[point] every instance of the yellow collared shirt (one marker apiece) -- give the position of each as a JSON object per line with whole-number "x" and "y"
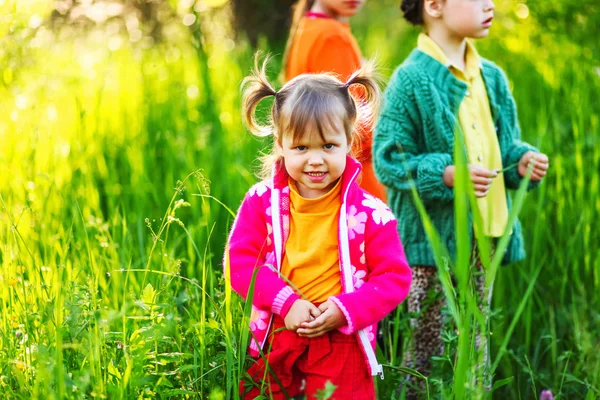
{"x": 475, "y": 118}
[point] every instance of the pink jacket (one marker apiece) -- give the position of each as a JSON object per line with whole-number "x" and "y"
{"x": 374, "y": 272}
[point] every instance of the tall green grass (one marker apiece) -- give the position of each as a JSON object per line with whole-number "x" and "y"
{"x": 111, "y": 257}
{"x": 118, "y": 173}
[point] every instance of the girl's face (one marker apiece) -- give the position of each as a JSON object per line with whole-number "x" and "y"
{"x": 468, "y": 18}
{"x": 313, "y": 163}
{"x": 339, "y": 8}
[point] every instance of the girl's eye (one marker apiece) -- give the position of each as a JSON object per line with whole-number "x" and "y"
{"x": 301, "y": 148}
{"x": 329, "y": 146}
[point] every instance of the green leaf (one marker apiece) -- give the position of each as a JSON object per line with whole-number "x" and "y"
{"x": 112, "y": 370}
{"x": 217, "y": 394}
{"x": 327, "y": 392}
{"x": 148, "y": 294}
{"x": 502, "y": 382}
{"x": 211, "y": 323}
{"x": 176, "y": 392}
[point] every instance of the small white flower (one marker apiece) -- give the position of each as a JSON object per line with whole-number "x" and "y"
{"x": 381, "y": 213}
{"x": 258, "y": 189}
{"x": 357, "y": 277}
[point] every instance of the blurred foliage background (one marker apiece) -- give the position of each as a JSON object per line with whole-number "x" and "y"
{"x": 122, "y": 153}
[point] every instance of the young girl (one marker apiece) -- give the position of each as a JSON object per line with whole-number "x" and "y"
{"x": 321, "y": 41}
{"x": 328, "y": 259}
{"x": 442, "y": 82}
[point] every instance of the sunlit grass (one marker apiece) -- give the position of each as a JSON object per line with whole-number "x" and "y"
{"x": 111, "y": 282}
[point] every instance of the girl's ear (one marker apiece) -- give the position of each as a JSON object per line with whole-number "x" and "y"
{"x": 433, "y": 8}
{"x": 278, "y": 147}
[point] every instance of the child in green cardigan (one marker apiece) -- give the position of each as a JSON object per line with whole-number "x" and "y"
{"x": 444, "y": 82}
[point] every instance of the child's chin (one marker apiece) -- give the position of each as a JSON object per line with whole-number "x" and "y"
{"x": 482, "y": 34}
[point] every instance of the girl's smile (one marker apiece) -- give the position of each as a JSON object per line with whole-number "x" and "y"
{"x": 316, "y": 176}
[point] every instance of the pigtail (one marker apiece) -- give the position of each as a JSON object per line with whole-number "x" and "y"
{"x": 368, "y": 96}
{"x": 300, "y": 9}
{"x": 255, "y": 88}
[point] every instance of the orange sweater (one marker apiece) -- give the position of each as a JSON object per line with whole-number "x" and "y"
{"x": 323, "y": 44}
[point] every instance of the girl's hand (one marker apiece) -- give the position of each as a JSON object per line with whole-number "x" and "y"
{"x": 481, "y": 177}
{"x": 540, "y": 165}
{"x": 331, "y": 318}
{"x": 301, "y": 311}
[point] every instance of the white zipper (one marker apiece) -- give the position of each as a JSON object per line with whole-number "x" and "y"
{"x": 276, "y": 220}
{"x": 376, "y": 368}
{"x": 276, "y": 241}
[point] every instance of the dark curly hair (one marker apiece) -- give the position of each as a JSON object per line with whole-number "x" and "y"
{"x": 413, "y": 11}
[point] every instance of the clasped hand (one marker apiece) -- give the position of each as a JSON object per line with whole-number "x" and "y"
{"x": 310, "y": 321}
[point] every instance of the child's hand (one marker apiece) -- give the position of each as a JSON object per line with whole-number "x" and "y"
{"x": 301, "y": 311}
{"x": 481, "y": 177}
{"x": 330, "y": 319}
{"x": 539, "y": 168}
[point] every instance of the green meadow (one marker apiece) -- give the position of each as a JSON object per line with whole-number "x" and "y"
{"x": 123, "y": 159}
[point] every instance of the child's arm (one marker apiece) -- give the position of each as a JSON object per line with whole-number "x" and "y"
{"x": 398, "y": 153}
{"x": 248, "y": 250}
{"x": 387, "y": 284}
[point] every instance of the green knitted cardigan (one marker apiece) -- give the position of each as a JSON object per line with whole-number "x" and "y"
{"x": 414, "y": 140}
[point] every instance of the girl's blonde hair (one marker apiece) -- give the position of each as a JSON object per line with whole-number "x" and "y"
{"x": 308, "y": 103}
{"x": 300, "y": 8}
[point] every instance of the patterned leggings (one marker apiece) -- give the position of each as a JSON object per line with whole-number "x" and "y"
{"x": 426, "y": 302}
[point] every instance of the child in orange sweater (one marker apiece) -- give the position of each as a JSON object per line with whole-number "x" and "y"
{"x": 321, "y": 41}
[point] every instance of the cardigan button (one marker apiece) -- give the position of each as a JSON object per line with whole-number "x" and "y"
{"x": 468, "y": 93}
{"x": 474, "y": 126}
{"x": 480, "y": 158}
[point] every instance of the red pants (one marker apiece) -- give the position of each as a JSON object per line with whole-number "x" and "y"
{"x": 303, "y": 366}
